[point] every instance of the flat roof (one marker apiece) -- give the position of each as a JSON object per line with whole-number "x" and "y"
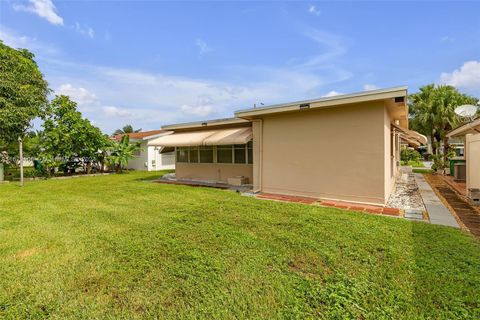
{"x": 326, "y": 101}
{"x": 205, "y": 123}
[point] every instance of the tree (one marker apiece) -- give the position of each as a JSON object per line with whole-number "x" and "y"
{"x": 23, "y": 93}
{"x": 126, "y": 129}
{"x": 122, "y": 152}
{"x": 432, "y": 112}
{"x": 68, "y": 138}
{"x": 23, "y": 97}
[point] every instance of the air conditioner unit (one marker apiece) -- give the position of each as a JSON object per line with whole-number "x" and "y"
{"x": 460, "y": 173}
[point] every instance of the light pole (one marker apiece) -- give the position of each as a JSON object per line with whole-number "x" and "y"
{"x": 20, "y": 148}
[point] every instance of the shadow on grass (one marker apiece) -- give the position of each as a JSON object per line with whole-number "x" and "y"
{"x": 154, "y": 175}
{"x": 446, "y": 273}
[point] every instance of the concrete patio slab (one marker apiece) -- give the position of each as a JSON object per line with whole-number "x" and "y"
{"x": 437, "y": 211}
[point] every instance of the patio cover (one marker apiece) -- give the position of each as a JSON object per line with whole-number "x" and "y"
{"x": 204, "y": 138}
{"x": 412, "y": 137}
{"x": 229, "y": 136}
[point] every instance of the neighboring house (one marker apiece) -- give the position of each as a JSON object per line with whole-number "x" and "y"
{"x": 345, "y": 147}
{"x": 470, "y": 133}
{"x": 150, "y": 158}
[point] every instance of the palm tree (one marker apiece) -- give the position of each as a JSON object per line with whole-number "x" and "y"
{"x": 128, "y": 128}
{"x": 422, "y": 113}
{"x": 432, "y": 112}
{"x": 122, "y": 152}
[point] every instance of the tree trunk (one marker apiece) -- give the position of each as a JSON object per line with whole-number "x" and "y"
{"x": 434, "y": 146}
{"x": 446, "y": 149}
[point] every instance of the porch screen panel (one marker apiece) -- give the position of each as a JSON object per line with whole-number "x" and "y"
{"x": 225, "y": 154}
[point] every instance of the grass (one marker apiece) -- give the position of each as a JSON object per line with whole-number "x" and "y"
{"x": 413, "y": 163}
{"x": 120, "y": 246}
{"x": 422, "y": 170}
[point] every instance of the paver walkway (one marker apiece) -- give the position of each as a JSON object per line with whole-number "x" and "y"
{"x": 466, "y": 213}
{"x": 437, "y": 211}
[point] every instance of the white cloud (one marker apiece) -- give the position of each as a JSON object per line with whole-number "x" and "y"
{"x": 15, "y": 40}
{"x": 447, "y": 39}
{"x": 81, "y": 96}
{"x": 368, "y": 87}
{"x": 467, "y": 77}
{"x": 86, "y": 30}
{"x": 313, "y": 10}
{"x": 334, "y": 46}
{"x": 202, "y": 46}
{"x": 201, "y": 111}
{"x": 43, "y": 8}
{"x": 332, "y": 93}
{"x": 115, "y": 112}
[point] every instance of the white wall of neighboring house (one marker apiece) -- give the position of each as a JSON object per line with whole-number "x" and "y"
{"x": 149, "y": 158}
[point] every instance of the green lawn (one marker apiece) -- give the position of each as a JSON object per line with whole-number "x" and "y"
{"x": 120, "y": 246}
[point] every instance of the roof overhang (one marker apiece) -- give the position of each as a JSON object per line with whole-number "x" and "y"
{"x": 472, "y": 127}
{"x": 395, "y": 97}
{"x": 206, "y": 124}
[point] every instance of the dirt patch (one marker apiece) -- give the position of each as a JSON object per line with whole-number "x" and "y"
{"x": 24, "y": 254}
{"x": 308, "y": 267}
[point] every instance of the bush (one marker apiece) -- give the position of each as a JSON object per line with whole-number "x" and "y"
{"x": 438, "y": 163}
{"x": 410, "y": 155}
{"x": 13, "y": 173}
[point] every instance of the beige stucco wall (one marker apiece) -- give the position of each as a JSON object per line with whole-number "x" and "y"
{"x": 212, "y": 171}
{"x": 472, "y": 153}
{"x": 392, "y": 154}
{"x": 336, "y": 153}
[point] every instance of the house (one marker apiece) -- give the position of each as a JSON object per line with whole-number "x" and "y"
{"x": 470, "y": 133}
{"x": 345, "y": 147}
{"x": 150, "y": 158}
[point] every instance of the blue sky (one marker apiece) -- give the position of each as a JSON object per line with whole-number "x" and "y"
{"x": 151, "y": 63}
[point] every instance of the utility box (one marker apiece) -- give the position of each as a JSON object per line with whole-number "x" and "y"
{"x": 460, "y": 172}
{"x": 474, "y": 195}
{"x": 237, "y": 181}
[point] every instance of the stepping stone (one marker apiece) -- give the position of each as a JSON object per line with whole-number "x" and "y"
{"x": 412, "y": 214}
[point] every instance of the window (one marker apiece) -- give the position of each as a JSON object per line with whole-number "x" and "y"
{"x": 193, "y": 154}
{"x": 182, "y": 154}
{"x": 206, "y": 154}
{"x": 250, "y": 151}
{"x": 225, "y": 154}
{"x": 240, "y": 153}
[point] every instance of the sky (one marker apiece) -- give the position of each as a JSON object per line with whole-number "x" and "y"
{"x": 152, "y": 63}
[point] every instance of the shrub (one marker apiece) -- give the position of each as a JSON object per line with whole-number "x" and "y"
{"x": 438, "y": 162}
{"x": 410, "y": 155}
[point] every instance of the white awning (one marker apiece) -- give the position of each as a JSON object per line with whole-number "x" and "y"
{"x": 412, "y": 136}
{"x": 204, "y": 138}
{"x": 229, "y": 136}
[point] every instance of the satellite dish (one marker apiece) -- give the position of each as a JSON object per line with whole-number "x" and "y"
{"x": 466, "y": 111}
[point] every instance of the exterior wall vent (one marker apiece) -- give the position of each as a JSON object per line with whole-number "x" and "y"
{"x": 399, "y": 99}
